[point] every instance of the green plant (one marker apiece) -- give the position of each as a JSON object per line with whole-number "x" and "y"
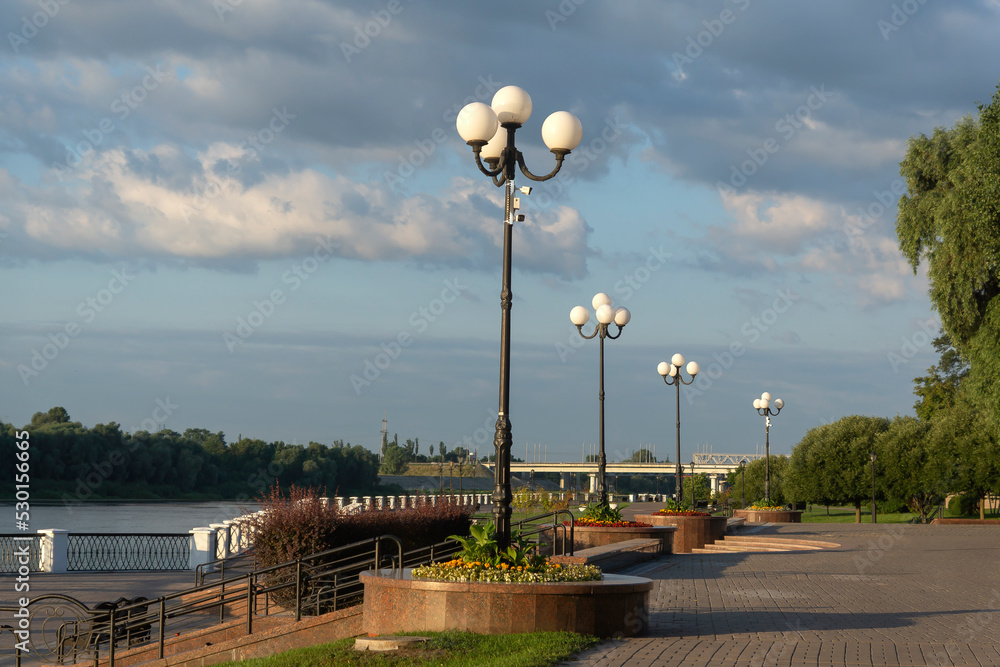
{"x": 481, "y": 546}
{"x": 602, "y": 512}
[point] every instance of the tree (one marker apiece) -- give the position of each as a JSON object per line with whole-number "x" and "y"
{"x": 754, "y": 481}
{"x": 950, "y": 218}
{"x": 904, "y": 469}
{"x": 395, "y": 460}
{"x": 965, "y": 455}
{"x": 938, "y": 389}
{"x": 830, "y": 463}
{"x": 643, "y": 456}
{"x": 696, "y": 487}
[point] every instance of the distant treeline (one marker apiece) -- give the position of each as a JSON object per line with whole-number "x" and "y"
{"x": 69, "y": 461}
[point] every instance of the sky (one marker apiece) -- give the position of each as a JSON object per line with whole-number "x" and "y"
{"x": 257, "y": 217}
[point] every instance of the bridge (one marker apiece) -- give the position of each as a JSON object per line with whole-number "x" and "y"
{"x": 715, "y": 466}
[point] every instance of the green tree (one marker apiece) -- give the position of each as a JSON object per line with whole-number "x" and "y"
{"x": 643, "y": 456}
{"x": 965, "y": 455}
{"x": 938, "y": 389}
{"x": 395, "y": 460}
{"x": 904, "y": 469}
{"x": 950, "y": 219}
{"x": 697, "y": 488}
{"x": 756, "y": 473}
{"x": 830, "y": 463}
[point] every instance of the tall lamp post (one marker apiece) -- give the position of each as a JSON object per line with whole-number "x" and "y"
{"x": 871, "y": 455}
{"x": 763, "y": 407}
{"x": 743, "y": 484}
{"x": 606, "y": 315}
{"x": 490, "y": 131}
{"x": 671, "y": 374}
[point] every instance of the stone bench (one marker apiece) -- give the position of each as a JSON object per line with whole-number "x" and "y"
{"x": 616, "y": 556}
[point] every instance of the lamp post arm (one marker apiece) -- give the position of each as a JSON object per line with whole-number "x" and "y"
{"x": 560, "y": 156}
{"x": 597, "y": 330}
{"x": 492, "y": 173}
{"x": 607, "y": 332}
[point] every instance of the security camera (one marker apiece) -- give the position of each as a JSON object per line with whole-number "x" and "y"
{"x": 526, "y": 189}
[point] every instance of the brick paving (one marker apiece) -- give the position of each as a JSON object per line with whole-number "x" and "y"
{"x": 890, "y": 595}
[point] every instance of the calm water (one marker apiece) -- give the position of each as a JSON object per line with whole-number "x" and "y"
{"x": 122, "y": 517}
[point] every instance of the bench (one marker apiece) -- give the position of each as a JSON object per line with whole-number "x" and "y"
{"x": 616, "y": 556}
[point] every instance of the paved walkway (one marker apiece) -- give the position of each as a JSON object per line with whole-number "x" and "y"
{"x": 890, "y": 595}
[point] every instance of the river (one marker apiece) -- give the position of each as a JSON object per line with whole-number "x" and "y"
{"x": 121, "y": 517}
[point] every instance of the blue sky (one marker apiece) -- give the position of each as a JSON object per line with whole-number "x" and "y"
{"x": 231, "y": 208}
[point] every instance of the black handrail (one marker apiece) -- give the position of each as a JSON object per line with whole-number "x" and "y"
{"x": 556, "y": 525}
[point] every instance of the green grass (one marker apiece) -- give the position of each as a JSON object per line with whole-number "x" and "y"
{"x": 846, "y": 515}
{"x": 448, "y": 649}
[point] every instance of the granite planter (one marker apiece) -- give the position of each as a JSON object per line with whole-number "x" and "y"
{"x": 617, "y": 606}
{"x": 585, "y": 537}
{"x": 769, "y": 516}
{"x": 693, "y": 532}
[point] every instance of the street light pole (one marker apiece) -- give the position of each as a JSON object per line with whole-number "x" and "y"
{"x": 871, "y": 455}
{"x": 763, "y": 407}
{"x": 673, "y": 372}
{"x": 490, "y": 131}
{"x": 606, "y": 315}
{"x": 743, "y": 484}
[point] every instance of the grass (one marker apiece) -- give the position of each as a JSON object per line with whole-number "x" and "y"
{"x": 846, "y": 515}
{"x": 448, "y": 649}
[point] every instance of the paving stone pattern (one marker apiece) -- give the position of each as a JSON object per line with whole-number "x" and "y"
{"x": 890, "y": 595}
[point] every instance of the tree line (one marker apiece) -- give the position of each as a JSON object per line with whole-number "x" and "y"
{"x": 74, "y": 463}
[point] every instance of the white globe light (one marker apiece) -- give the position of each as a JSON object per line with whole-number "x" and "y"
{"x": 766, "y": 396}
{"x": 673, "y": 370}
{"x": 494, "y": 147}
{"x": 476, "y": 123}
{"x": 677, "y": 360}
{"x": 764, "y": 403}
{"x": 579, "y": 316}
{"x": 600, "y": 299}
{"x": 622, "y": 316}
{"x": 778, "y": 403}
{"x": 756, "y": 404}
{"x": 693, "y": 368}
{"x": 606, "y": 314}
{"x": 663, "y": 368}
{"x": 512, "y": 105}
{"x": 562, "y": 131}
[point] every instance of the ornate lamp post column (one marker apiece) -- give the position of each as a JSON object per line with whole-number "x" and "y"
{"x": 490, "y": 131}
{"x": 871, "y": 455}
{"x": 763, "y": 407}
{"x": 671, "y": 374}
{"x": 743, "y": 484}
{"x": 606, "y": 315}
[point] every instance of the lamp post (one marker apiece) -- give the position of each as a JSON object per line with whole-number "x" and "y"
{"x": 743, "y": 484}
{"x": 871, "y": 455}
{"x": 763, "y": 407}
{"x": 490, "y": 131}
{"x": 606, "y": 315}
{"x": 671, "y": 374}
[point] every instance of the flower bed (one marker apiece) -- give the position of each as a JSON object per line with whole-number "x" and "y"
{"x": 458, "y": 569}
{"x": 668, "y": 512}
{"x": 596, "y": 523}
{"x": 616, "y": 605}
{"x": 777, "y": 515}
{"x": 693, "y": 532}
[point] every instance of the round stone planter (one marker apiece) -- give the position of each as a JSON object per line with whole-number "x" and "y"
{"x": 618, "y": 606}
{"x": 585, "y": 537}
{"x": 693, "y": 532}
{"x": 769, "y": 516}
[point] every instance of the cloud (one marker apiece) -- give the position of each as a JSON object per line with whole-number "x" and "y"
{"x": 221, "y": 206}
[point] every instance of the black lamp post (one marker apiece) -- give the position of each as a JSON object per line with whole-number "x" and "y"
{"x": 871, "y": 455}
{"x": 490, "y": 131}
{"x": 606, "y": 315}
{"x": 763, "y": 407}
{"x": 743, "y": 484}
{"x": 671, "y": 374}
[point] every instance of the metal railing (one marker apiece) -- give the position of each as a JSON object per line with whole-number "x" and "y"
{"x": 139, "y": 551}
{"x": 11, "y": 551}
{"x": 315, "y": 584}
{"x": 535, "y": 526}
